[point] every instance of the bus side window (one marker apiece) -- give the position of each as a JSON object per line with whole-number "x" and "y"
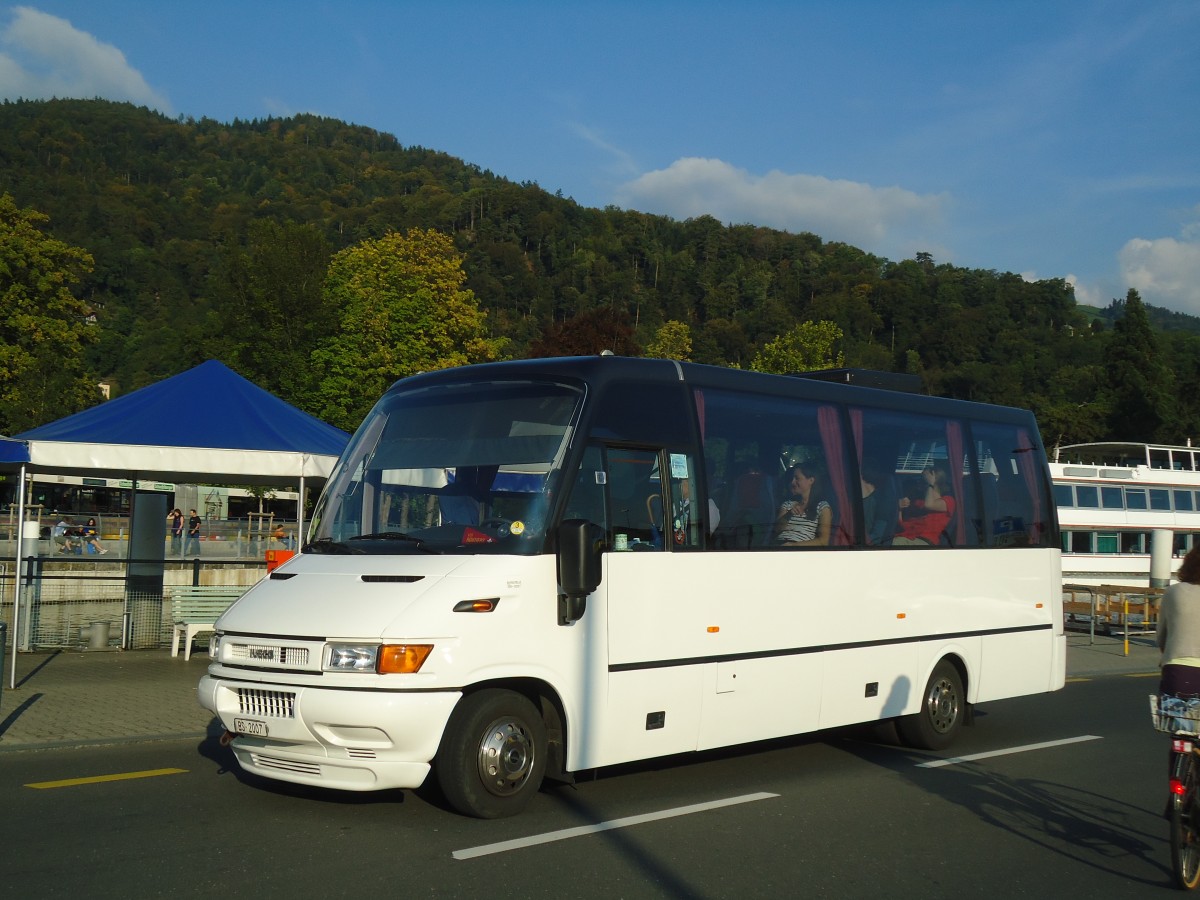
{"x": 683, "y": 523}
{"x": 636, "y": 498}
{"x": 586, "y": 500}
{"x": 1017, "y": 505}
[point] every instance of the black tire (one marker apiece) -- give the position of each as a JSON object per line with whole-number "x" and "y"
{"x": 1185, "y": 820}
{"x": 493, "y": 755}
{"x": 942, "y": 707}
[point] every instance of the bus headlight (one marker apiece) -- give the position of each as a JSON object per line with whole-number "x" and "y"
{"x": 214, "y": 646}
{"x": 351, "y": 657}
{"x": 385, "y": 659}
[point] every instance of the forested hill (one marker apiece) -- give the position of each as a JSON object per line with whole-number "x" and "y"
{"x": 211, "y": 240}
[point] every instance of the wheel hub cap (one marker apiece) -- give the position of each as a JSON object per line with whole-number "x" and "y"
{"x": 505, "y": 757}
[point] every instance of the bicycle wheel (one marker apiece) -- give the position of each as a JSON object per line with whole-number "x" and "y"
{"x": 1185, "y": 822}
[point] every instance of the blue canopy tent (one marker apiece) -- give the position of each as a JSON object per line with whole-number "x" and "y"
{"x": 205, "y": 425}
{"x": 13, "y": 453}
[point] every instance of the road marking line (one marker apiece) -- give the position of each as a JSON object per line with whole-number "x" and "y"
{"x": 566, "y": 833}
{"x": 97, "y": 779}
{"x": 936, "y": 763}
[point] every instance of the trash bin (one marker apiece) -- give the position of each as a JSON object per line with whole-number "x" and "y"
{"x": 276, "y": 558}
{"x": 98, "y": 636}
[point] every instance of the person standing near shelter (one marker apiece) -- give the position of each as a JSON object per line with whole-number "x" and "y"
{"x": 193, "y": 534}
{"x": 176, "y": 520}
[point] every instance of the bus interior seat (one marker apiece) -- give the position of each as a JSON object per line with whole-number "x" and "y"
{"x": 750, "y": 521}
{"x": 887, "y": 513}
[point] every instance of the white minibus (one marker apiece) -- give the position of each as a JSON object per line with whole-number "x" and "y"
{"x": 524, "y": 570}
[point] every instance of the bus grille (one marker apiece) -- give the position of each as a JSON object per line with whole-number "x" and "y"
{"x": 295, "y": 657}
{"x": 267, "y": 704}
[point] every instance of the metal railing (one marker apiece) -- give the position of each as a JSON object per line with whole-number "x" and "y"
{"x": 1114, "y": 608}
{"x": 94, "y": 603}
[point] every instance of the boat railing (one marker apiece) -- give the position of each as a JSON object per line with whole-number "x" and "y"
{"x": 1112, "y": 609}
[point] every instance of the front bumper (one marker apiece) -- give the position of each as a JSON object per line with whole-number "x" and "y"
{"x": 351, "y": 740}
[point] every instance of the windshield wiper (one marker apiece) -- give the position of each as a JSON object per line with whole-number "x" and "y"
{"x": 393, "y": 536}
{"x": 327, "y": 545}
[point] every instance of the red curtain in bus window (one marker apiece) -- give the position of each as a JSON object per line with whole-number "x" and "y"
{"x": 856, "y": 426}
{"x": 954, "y": 450}
{"x": 1025, "y": 462}
{"x": 831, "y": 440}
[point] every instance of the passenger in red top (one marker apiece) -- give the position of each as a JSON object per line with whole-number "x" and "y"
{"x": 926, "y": 519}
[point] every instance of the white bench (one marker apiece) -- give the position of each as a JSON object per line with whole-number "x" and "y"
{"x": 195, "y": 609}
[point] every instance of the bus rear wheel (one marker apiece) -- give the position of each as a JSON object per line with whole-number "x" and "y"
{"x": 493, "y": 755}
{"x": 941, "y": 714}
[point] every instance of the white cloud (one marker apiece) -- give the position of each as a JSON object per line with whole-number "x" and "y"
{"x": 1085, "y": 295}
{"x": 43, "y": 56}
{"x": 1165, "y": 271}
{"x": 889, "y": 220}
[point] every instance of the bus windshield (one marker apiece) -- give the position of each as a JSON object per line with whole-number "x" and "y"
{"x": 463, "y": 468}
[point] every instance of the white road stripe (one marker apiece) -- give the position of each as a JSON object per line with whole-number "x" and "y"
{"x": 937, "y": 763}
{"x": 551, "y": 836}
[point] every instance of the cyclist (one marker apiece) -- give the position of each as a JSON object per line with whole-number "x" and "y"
{"x": 1178, "y": 632}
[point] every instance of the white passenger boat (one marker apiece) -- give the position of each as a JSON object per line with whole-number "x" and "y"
{"x": 1112, "y": 497}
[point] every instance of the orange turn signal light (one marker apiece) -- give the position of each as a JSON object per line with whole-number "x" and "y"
{"x": 402, "y": 659}
{"x": 477, "y": 605}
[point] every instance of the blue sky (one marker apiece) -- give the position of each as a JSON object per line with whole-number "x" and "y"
{"x": 1056, "y": 138}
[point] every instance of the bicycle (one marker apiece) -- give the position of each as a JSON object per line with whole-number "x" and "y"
{"x": 1180, "y": 718}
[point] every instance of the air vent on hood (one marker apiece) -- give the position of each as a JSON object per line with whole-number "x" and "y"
{"x": 401, "y": 579}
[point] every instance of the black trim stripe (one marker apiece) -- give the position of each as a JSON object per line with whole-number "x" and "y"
{"x": 818, "y": 648}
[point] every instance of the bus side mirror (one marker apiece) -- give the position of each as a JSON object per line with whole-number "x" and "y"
{"x": 580, "y": 544}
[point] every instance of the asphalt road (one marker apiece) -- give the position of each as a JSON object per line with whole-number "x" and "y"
{"x": 830, "y": 815}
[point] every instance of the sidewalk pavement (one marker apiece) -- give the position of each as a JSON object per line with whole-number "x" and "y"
{"x": 69, "y": 699}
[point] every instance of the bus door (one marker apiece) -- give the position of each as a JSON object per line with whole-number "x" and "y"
{"x": 651, "y": 596}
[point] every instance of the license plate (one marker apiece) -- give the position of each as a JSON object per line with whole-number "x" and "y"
{"x": 250, "y": 726}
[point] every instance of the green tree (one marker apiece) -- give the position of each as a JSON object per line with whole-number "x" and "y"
{"x": 673, "y": 340}
{"x": 1139, "y": 383}
{"x": 274, "y": 312}
{"x": 587, "y": 334}
{"x": 808, "y": 346}
{"x": 403, "y": 310}
{"x": 44, "y": 327}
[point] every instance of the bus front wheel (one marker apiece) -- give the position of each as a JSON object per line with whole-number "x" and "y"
{"x": 941, "y": 714}
{"x": 493, "y": 755}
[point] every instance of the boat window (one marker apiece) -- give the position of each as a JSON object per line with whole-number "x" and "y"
{"x": 1160, "y": 498}
{"x": 1080, "y": 542}
{"x": 1112, "y": 498}
{"x": 1134, "y": 542}
{"x": 1135, "y": 498}
{"x": 1087, "y": 496}
{"x": 1183, "y": 501}
{"x": 1107, "y": 542}
{"x": 1064, "y": 496}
